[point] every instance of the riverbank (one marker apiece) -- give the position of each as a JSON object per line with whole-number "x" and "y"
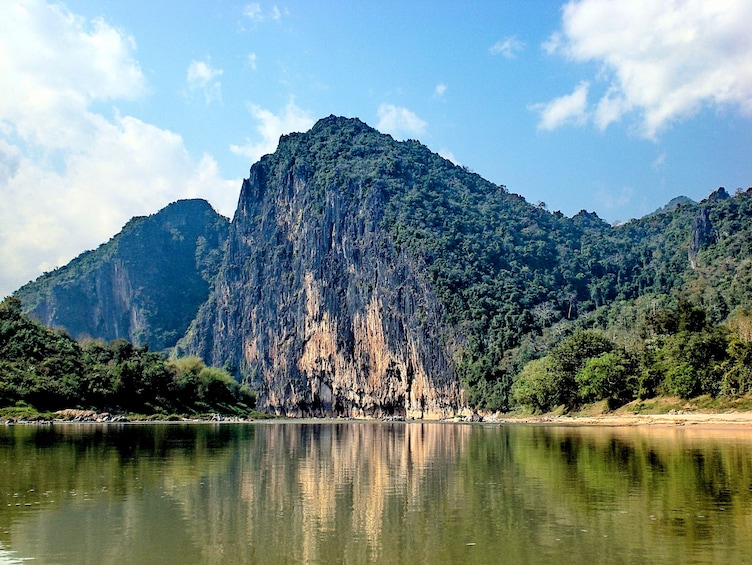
{"x": 662, "y": 411}
{"x": 737, "y": 419}
{"x": 10, "y": 416}
{"x": 670, "y": 419}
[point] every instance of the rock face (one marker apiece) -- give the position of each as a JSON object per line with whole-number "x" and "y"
{"x": 314, "y": 303}
{"x": 702, "y": 234}
{"x": 145, "y": 285}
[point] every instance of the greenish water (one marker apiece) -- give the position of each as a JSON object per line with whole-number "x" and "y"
{"x": 374, "y": 492}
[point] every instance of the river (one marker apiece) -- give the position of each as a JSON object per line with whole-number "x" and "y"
{"x": 372, "y": 492}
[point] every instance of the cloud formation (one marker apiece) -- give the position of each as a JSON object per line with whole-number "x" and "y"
{"x": 614, "y": 198}
{"x": 508, "y": 47}
{"x": 201, "y": 76}
{"x": 399, "y": 122}
{"x": 251, "y": 59}
{"x": 54, "y": 65}
{"x": 662, "y": 61}
{"x": 256, "y": 14}
{"x": 271, "y": 127}
{"x": 570, "y": 109}
{"x": 71, "y": 177}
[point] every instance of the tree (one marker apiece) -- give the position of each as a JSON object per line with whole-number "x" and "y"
{"x": 692, "y": 362}
{"x": 539, "y": 386}
{"x": 555, "y": 379}
{"x": 51, "y": 371}
{"x": 570, "y": 356}
{"x": 741, "y": 324}
{"x": 611, "y": 375}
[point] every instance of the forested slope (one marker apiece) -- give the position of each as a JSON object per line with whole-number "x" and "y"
{"x": 47, "y": 370}
{"x": 356, "y": 256}
{"x": 144, "y": 285}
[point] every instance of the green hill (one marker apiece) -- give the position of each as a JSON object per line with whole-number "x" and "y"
{"x": 144, "y": 285}
{"x": 367, "y": 276}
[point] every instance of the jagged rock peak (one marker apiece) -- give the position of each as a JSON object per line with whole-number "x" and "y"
{"x": 719, "y": 194}
{"x": 315, "y": 305}
{"x": 331, "y": 127}
{"x": 187, "y": 206}
{"x": 337, "y": 133}
{"x": 334, "y": 123}
{"x": 180, "y": 207}
{"x": 589, "y": 219}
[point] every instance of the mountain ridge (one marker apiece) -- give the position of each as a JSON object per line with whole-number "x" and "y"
{"x": 369, "y": 276}
{"x": 144, "y": 284}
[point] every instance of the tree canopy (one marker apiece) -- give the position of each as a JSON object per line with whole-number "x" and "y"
{"x": 50, "y": 371}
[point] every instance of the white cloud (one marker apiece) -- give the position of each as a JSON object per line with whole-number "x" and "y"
{"x": 553, "y": 43}
{"x": 253, "y": 11}
{"x": 270, "y": 127}
{"x": 70, "y": 177}
{"x": 256, "y": 14}
{"x": 251, "y": 60}
{"x": 127, "y": 168}
{"x": 663, "y": 60}
{"x": 507, "y": 47}
{"x": 568, "y": 109}
{"x": 659, "y": 163}
{"x": 399, "y": 122}
{"x": 447, "y": 154}
{"x": 53, "y": 64}
{"x": 611, "y": 107}
{"x": 201, "y": 77}
{"x": 440, "y": 90}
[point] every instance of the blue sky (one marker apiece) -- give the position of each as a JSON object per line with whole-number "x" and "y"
{"x": 111, "y": 109}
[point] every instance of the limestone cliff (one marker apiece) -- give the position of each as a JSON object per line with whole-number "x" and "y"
{"x": 145, "y": 285}
{"x": 366, "y": 276}
{"x": 315, "y": 305}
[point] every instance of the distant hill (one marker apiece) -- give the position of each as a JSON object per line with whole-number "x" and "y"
{"x": 367, "y": 276}
{"x": 144, "y": 285}
{"x": 673, "y": 204}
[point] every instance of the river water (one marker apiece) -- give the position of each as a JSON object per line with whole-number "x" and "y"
{"x": 367, "y": 492}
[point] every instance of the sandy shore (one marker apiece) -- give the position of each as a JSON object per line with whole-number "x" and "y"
{"x": 669, "y": 419}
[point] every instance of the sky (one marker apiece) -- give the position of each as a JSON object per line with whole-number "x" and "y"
{"x": 112, "y": 109}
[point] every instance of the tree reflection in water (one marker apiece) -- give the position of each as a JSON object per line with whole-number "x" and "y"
{"x": 359, "y": 492}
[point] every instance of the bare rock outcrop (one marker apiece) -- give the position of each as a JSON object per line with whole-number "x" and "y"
{"x": 316, "y": 307}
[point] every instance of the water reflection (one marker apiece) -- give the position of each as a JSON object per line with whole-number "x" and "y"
{"x": 374, "y": 492}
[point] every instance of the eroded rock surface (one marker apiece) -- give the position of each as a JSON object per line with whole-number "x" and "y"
{"x": 315, "y": 305}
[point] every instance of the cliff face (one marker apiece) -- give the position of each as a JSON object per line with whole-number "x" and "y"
{"x": 314, "y": 303}
{"x": 145, "y": 285}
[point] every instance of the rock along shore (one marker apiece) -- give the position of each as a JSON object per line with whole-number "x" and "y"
{"x": 671, "y": 418}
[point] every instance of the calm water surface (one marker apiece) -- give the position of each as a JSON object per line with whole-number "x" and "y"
{"x": 374, "y": 492}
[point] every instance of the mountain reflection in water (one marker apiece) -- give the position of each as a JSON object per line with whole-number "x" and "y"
{"x": 361, "y": 492}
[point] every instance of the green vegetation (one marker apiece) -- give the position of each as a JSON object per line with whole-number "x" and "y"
{"x": 679, "y": 354}
{"x": 551, "y": 310}
{"x": 516, "y": 279}
{"x": 42, "y": 369}
{"x": 145, "y": 284}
